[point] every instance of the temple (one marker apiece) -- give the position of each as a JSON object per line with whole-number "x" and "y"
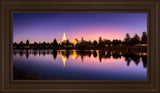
{"x": 64, "y": 39}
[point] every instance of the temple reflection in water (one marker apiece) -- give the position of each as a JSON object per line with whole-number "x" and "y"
{"x": 75, "y": 54}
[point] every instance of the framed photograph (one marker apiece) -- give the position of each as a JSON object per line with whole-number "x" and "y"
{"x": 79, "y": 46}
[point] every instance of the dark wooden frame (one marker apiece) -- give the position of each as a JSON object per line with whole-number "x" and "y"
{"x": 8, "y": 7}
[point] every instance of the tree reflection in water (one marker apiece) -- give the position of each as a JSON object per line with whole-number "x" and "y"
{"x": 135, "y": 57}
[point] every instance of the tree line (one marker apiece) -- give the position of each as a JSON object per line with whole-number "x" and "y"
{"x": 83, "y": 44}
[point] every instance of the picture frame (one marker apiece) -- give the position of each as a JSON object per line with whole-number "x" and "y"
{"x": 8, "y": 7}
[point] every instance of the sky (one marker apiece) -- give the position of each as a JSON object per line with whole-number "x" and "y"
{"x": 44, "y": 27}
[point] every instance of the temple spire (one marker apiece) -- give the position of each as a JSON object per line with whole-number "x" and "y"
{"x": 64, "y": 37}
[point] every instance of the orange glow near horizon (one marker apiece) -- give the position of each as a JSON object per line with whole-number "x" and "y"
{"x": 109, "y": 35}
{"x": 94, "y": 35}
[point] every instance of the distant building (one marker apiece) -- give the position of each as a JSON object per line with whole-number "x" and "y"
{"x": 75, "y": 42}
{"x": 64, "y": 39}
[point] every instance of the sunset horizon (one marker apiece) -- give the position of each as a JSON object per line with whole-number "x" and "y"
{"x": 90, "y": 26}
{"x": 73, "y": 39}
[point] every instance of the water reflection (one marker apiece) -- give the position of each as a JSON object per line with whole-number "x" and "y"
{"x": 135, "y": 57}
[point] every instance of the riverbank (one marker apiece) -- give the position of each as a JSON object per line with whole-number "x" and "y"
{"x": 110, "y": 48}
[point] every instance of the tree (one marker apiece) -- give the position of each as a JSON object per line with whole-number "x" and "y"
{"x": 135, "y": 39}
{"x": 67, "y": 42}
{"x": 95, "y": 43}
{"x": 144, "y": 38}
{"x": 83, "y": 44}
{"x": 101, "y": 43}
{"x": 100, "y": 40}
{"x": 115, "y": 42}
{"x": 44, "y": 45}
{"x": 48, "y": 45}
{"x": 89, "y": 43}
{"x": 35, "y": 43}
{"x": 14, "y": 44}
{"x": 21, "y": 44}
{"x": 55, "y": 43}
{"x": 108, "y": 42}
{"x": 27, "y": 42}
{"x": 127, "y": 38}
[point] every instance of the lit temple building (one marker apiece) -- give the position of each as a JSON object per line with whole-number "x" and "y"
{"x": 64, "y": 39}
{"x": 75, "y": 42}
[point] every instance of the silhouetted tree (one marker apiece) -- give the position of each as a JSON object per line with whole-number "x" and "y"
{"x": 101, "y": 43}
{"x": 55, "y": 43}
{"x": 90, "y": 43}
{"x": 135, "y": 39}
{"x": 108, "y": 42}
{"x": 35, "y": 43}
{"x": 83, "y": 44}
{"x": 48, "y": 45}
{"x": 127, "y": 39}
{"x": 144, "y": 38}
{"x": 27, "y": 43}
{"x": 67, "y": 42}
{"x": 116, "y": 42}
{"x": 40, "y": 45}
{"x": 44, "y": 45}
{"x": 14, "y": 44}
{"x": 21, "y": 44}
{"x": 100, "y": 40}
{"x": 95, "y": 43}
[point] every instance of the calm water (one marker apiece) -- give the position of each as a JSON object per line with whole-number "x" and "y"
{"x": 81, "y": 65}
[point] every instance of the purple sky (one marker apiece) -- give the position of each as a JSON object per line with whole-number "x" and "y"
{"x": 42, "y": 27}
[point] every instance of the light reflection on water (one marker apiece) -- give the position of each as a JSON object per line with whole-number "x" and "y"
{"x": 81, "y": 65}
